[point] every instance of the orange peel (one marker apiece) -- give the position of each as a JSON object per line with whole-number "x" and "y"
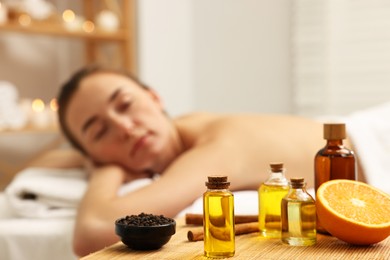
{"x": 353, "y": 211}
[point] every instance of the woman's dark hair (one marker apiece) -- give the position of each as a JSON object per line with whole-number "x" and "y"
{"x": 71, "y": 86}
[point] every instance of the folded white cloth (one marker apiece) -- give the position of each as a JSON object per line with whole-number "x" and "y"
{"x": 369, "y": 131}
{"x": 51, "y": 192}
{"x": 245, "y": 203}
{"x": 44, "y": 192}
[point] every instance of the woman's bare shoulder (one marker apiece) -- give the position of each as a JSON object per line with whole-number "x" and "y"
{"x": 195, "y": 123}
{"x": 196, "y": 117}
{"x": 202, "y": 122}
{"x": 198, "y": 127}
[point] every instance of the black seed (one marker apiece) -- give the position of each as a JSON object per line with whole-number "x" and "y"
{"x": 145, "y": 220}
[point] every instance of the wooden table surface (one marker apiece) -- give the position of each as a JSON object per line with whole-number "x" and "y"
{"x": 249, "y": 246}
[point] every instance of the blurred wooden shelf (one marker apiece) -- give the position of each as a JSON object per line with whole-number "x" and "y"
{"x": 31, "y": 130}
{"x": 124, "y": 37}
{"x": 60, "y": 30}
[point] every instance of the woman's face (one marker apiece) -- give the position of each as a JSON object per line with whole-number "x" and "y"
{"x": 117, "y": 121}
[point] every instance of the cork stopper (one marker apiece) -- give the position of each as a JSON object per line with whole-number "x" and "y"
{"x": 276, "y": 166}
{"x": 334, "y": 131}
{"x": 217, "y": 182}
{"x": 297, "y": 182}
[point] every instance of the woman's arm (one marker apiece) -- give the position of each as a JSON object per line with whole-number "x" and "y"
{"x": 59, "y": 158}
{"x": 94, "y": 223}
{"x": 181, "y": 184}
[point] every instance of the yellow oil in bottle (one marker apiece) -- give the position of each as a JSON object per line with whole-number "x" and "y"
{"x": 298, "y": 216}
{"x": 218, "y": 222}
{"x": 271, "y": 193}
{"x": 270, "y": 224}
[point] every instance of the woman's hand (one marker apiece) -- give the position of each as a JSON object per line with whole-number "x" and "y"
{"x": 127, "y": 176}
{"x": 94, "y": 169}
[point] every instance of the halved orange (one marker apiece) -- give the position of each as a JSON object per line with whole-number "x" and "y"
{"x": 353, "y": 211}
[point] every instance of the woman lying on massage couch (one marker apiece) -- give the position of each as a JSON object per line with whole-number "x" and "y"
{"x": 120, "y": 125}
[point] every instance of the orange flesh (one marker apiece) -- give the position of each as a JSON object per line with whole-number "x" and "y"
{"x": 358, "y": 203}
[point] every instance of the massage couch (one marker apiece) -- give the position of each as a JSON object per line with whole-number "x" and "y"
{"x": 33, "y": 228}
{"x": 37, "y": 209}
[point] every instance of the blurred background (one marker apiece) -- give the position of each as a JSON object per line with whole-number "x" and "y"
{"x": 311, "y": 58}
{"x": 282, "y": 56}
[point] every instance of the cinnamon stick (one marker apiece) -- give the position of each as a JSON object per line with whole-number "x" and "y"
{"x": 197, "y": 234}
{"x": 197, "y": 219}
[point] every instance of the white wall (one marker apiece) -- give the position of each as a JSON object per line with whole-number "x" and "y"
{"x": 165, "y": 51}
{"x": 241, "y": 55}
{"x": 341, "y": 55}
{"x": 220, "y": 55}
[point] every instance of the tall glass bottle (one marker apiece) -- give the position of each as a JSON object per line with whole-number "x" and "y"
{"x": 334, "y": 161}
{"x": 218, "y": 218}
{"x": 298, "y": 215}
{"x": 271, "y": 193}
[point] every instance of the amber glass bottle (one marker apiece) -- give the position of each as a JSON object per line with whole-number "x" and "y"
{"x": 334, "y": 161}
{"x": 218, "y": 218}
{"x": 271, "y": 193}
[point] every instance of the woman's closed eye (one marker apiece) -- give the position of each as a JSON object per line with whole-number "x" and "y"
{"x": 124, "y": 105}
{"x": 101, "y": 131}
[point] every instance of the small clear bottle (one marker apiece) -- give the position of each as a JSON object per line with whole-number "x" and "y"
{"x": 218, "y": 218}
{"x": 271, "y": 193}
{"x": 298, "y": 215}
{"x": 334, "y": 161}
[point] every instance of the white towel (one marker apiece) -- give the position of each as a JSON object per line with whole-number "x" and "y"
{"x": 369, "y": 130}
{"x": 50, "y": 192}
{"x": 245, "y": 203}
{"x": 44, "y": 192}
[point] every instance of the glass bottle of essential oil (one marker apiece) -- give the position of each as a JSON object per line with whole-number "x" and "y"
{"x": 218, "y": 218}
{"x": 271, "y": 193}
{"x": 298, "y": 215}
{"x": 334, "y": 161}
